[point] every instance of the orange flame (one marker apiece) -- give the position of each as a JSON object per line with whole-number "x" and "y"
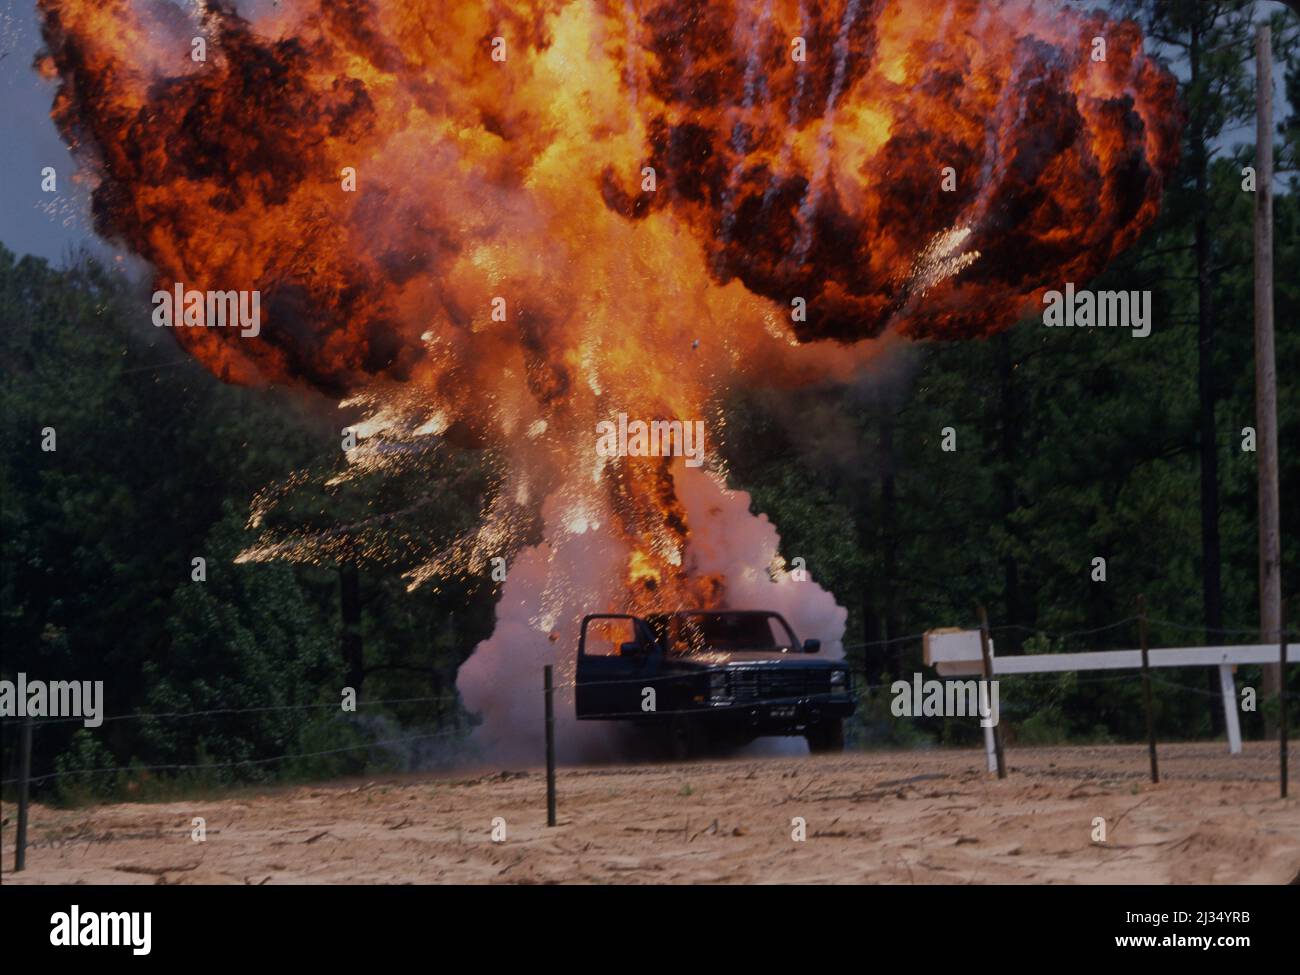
{"x": 564, "y": 210}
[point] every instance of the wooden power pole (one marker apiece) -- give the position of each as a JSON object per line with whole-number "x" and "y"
{"x": 1270, "y": 557}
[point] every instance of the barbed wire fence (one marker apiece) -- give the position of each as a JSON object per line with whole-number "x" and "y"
{"x": 41, "y": 722}
{"x": 1129, "y": 675}
{"x": 28, "y": 726}
{"x": 862, "y": 684}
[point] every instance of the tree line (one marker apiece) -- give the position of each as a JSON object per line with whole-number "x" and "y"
{"x": 1071, "y": 446}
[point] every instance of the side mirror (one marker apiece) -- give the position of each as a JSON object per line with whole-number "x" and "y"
{"x": 812, "y": 646}
{"x": 633, "y": 648}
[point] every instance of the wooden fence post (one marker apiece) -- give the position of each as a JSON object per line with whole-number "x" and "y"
{"x": 1146, "y": 689}
{"x": 988, "y": 677}
{"x": 1282, "y": 723}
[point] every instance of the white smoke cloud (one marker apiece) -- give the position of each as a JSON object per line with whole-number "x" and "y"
{"x": 551, "y": 586}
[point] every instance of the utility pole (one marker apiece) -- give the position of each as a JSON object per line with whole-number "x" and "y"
{"x": 1270, "y": 556}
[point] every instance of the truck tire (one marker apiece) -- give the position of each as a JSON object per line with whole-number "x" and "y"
{"x": 826, "y": 736}
{"x": 685, "y": 738}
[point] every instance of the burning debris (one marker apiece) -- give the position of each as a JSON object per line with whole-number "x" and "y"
{"x": 502, "y": 225}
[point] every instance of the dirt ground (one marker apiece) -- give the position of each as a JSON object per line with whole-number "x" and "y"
{"x": 877, "y": 817}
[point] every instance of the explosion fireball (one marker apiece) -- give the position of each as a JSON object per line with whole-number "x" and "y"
{"x": 569, "y": 209}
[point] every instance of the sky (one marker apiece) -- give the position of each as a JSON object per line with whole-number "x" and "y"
{"x": 54, "y": 225}
{"x": 31, "y": 222}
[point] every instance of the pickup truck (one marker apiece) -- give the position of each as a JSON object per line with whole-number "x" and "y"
{"x": 711, "y": 678}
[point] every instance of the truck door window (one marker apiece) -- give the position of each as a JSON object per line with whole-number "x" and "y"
{"x": 607, "y": 637}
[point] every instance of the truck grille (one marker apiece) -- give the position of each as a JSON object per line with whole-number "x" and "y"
{"x": 755, "y": 684}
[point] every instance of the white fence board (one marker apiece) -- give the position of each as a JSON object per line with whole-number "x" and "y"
{"x": 956, "y": 653}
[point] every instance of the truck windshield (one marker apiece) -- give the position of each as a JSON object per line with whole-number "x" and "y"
{"x": 729, "y": 632}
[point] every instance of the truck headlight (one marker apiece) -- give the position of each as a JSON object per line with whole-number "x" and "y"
{"x": 839, "y": 679}
{"x": 718, "y": 687}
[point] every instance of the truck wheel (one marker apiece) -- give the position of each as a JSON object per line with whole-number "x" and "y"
{"x": 684, "y": 737}
{"x": 827, "y": 736}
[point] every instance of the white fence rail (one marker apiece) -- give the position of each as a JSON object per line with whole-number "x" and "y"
{"x": 956, "y": 653}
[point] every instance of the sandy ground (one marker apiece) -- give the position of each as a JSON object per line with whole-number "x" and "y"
{"x": 879, "y": 817}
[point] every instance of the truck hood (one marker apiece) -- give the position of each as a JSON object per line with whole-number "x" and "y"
{"x": 765, "y": 657}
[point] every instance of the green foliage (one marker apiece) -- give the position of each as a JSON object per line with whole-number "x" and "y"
{"x": 84, "y": 755}
{"x": 156, "y": 462}
{"x": 1071, "y": 445}
{"x": 875, "y": 725}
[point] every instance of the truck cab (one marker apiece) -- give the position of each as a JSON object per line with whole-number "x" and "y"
{"x": 711, "y": 677}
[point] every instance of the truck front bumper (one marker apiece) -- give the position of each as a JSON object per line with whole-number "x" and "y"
{"x": 786, "y": 715}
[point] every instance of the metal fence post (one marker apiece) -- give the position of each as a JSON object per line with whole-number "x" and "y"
{"x": 549, "y": 690}
{"x": 24, "y": 789}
